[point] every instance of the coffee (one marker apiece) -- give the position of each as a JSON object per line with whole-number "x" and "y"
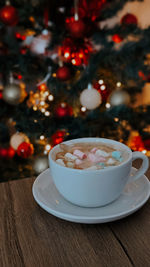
{"x": 90, "y": 156}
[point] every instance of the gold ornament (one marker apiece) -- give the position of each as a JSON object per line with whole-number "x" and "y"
{"x": 14, "y": 94}
{"x": 40, "y": 164}
{"x": 18, "y": 138}
{"x": 119, "y": 97}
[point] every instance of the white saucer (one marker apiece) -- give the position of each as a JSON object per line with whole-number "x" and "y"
{"x": 46, "y": 195}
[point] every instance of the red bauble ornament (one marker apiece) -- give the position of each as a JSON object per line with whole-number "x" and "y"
{"x": 63, "y": 110}
{"x": 25, "y": 150}
{"x": 117, "y": 38}
{"x": 58, "y": 137}
{"x": 10, "y": 152}
{"x": 76, "y": 27}
{"x": 129, "y": 19}
{"x": 90, "y": 9}
{"x": 63, "y": 73}
{"x": 9, "y": 15}
{"x": 3, "y": 152}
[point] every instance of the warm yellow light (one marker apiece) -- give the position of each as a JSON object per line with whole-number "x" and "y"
{"x": 42, "y": 103}
{"x": 107, "y": 105}
{"x": 47, "y": 113}
{"x": 46, "y": 93}
{"x": 73, "y": 61}
{"x": 116, "y": 119}
{"x": 42, "y": 110}
{"x": 83, "y": 109}
{"x": 50, "y": 97}
{"x": 31, "y": 19}
{"x": 42, "y": 137}
{"x": 103, "y": 87}
{"x": 48, "y": 147}
{"x": 34, "y": 108}
{"x": 66, "y": 54}
{"x": 100, "y": 81}
{"x": 118, "y": 84}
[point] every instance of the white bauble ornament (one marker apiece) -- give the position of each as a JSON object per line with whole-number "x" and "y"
{"x": 90, "y": 98}
{"x": 40, "y": 164}
{"x": 39, "y": 43}
{"x": 119, "y": 97}
{"x": 18, "y": 138}
{"x": 13, "y": 94}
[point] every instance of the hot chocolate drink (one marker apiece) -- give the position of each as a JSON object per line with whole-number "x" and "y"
{"x": 90, "y": 156}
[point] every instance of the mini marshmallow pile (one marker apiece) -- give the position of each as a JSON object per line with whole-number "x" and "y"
{"x": 92, "y": 159}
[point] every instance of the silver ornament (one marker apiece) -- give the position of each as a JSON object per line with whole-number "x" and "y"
{"x": 40, "y": 164}
{"x": 12, "y": 94}
{"x": 119, "y": 97}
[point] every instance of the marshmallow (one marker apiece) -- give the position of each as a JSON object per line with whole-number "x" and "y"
{"x": 94, "y": 149}
{"x": 78, "y": 161}
{"x": 110, "y": 161}
{"x": 60, "y": 162}
{"x": 102, "y": 164}
{"x": 79, "y": 154}
{"x": 70, "y": 164}
{"x": 101, "y": 153}
{"x": 70, "y": 156}
{"x": 91, "y": 168}
{"x": 116, "y": 154}
{"x": 93, "y": 158}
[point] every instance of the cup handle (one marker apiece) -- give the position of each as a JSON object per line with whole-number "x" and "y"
{"x": 142, "y": 169}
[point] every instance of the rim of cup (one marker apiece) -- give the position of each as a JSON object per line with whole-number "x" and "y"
{"x": 91, "y": 139}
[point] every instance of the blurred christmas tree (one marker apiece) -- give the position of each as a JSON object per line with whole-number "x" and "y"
{"x": 63, "y": 75}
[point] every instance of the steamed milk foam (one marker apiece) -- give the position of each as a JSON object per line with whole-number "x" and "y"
{"x": 90, "y": 156}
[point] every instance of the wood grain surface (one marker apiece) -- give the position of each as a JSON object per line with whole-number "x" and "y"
{"x": 31, "y": 237}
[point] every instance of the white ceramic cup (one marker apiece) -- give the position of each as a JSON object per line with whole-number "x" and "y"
{"x": 94, "y": 188}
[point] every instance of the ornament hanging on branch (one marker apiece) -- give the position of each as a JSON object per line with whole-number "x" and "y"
{"x": 14, "y": 94}
{"x": 25, "y": 150}
{"x": 129, "y": 19}
{"x": 63, "y": 73}
{"x": 90, "y": 9}
{"x": 90, "y": 98}
{"x": 119, "y": 97}
{"x": 63, "y": 110}
{"x": 9, "y": 15}
{"x": 75, "y": 25}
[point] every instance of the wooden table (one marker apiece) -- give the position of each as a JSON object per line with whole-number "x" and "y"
{"x": 30, "y": 237}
